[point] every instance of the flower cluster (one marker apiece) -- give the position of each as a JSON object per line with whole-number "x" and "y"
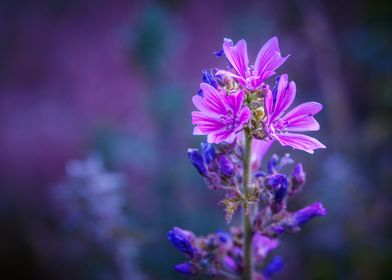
{"x": 90, "y": 205}
{"x": 242, "y": 116}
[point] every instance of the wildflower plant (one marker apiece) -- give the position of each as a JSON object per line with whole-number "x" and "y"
{"x": 242, "y": 116}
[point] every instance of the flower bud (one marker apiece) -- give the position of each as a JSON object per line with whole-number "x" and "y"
{"x": 187, "y": 268}
{"x": 208, "y": 78}
{"x": 226, "y": 166}
{"x": 273, "y": 164}
{"x": 281, "y": 189}
{"x": 298, "y": 176}
{"x": 275, "y": 265}
{"x": 302, "y": 216}
{"x": 262, "y": 245}
{"x": 181, "y": 239}
{"x": 197, "y": 160}
{"x": 208, "y": 152}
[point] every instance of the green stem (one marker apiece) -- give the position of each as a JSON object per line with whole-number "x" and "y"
{"x": 248, "y": 263}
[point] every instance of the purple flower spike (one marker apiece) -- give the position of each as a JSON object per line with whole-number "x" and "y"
{"x": 226, "y": 166}
{"x": 302, "y": 216}
{"x": 181, "y": 239}
{"x": 197, "y": 160}
{"x": 279, "y": 125}
{"x": 220, "y": 116}
{"x": 187, "y": 268}
{"x": 275, "y": 265}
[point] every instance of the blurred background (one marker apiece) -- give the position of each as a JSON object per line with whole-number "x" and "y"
{"x": 95, "y": 102}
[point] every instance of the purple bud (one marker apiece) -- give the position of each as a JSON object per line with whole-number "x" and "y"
{"x": 219, "y": 53}
{"x": 275, "y": 265}
{"x": 208, "y": 152}
{"x": 208, "y": 78}
{"x": 187, "y": 268}
{"x": 197, "y": 160}
{"x": 298, "y": 176}
{"x": 302, "y": 216}
{"x": 226, "y": 166}
{"x": 281, "y": 189}
{"x": 181, "y": 239}
{"x": 273, "y": 164}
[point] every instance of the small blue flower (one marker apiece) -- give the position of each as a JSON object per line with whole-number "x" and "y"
{"x": 181, "y": 240}
{"x": 208, "y": 152}
{"x": 197, "y": 160}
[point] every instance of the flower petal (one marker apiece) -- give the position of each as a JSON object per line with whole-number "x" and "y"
{"x": 212, "y": 101}
{"x": 206, "y": 123}
{"x": 259, "y": 149}
{"x": 223, "y": 135}
{"x": 237, "y": 56}
{"x": 235, "y": 100}
{"x": 269, "y": 59}
{"x": 301, "y": 117}
{"x": 268, "y": 104}
{"x": 299, "y": 141}
{"x": 284, "y": 97}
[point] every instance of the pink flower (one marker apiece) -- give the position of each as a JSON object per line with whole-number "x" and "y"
{"x": 268, "y": 59}
{"x": 279, "y": 125}
{"x": 220, "y": 116}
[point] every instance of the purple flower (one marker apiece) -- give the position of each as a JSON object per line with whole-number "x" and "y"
{"x": 197, "y": 160}
{"x": 302, "y": 216}
{"x": 259, "y": 149}
{"x": 275, "y": 265}
{"x": 262, "y": 245}
{"x": 187, "y": 268}
{"x": 226, "y": 166}
{"x": 278, "y": 125}
{"x": 220, "y": 116}
{"x": 182, "y": 240}
{"x": 268, "y": 59}
{"x": 298, "y": 176}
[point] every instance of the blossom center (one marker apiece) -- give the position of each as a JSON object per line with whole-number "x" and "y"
{"x": 229, "y": 120}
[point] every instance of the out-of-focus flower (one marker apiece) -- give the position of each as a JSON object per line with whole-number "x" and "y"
{"x": 298, "y": 176}
{"x": 226, "y": 166}
{"x": 187, "y": 268}
{"x": 262, "y": 245}
{"x": 275, "y": 265}
{"x": 279, "y": 125}
{"x": 268, "y": 59}
{"x": 220, "y": 115}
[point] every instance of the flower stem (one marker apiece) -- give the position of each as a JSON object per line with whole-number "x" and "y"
{"x": 248, "y": 263}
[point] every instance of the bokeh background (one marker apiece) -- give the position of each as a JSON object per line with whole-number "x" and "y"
{"x": 95, "y": 102}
